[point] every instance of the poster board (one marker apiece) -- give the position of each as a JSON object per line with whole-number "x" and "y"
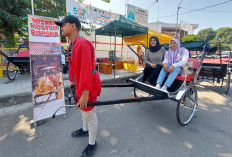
{"x": 46, "y": 67}
{"x": 137, "y": 14}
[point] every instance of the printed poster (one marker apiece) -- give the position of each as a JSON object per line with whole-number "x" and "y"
{"x": 46, "y": 67}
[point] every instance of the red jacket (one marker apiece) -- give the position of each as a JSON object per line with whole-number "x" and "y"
{"x": 80, "y": 68}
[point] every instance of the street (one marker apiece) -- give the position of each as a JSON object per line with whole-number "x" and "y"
{"x": 127, "y": 130}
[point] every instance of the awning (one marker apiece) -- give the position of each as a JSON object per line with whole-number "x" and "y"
{"x": 142, "y": 38}
{"x": 124, "y": 27}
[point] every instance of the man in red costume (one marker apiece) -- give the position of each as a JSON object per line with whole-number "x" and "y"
{"x": 82, "y": 72}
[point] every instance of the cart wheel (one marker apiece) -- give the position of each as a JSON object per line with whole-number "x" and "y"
{"x": 11, "y": 70}
{"x": 186, "y": 106}
{"x": 228, "y": 82}
{"x": 138, "y": 93}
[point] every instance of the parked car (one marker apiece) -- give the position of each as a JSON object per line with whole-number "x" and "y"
{"x": 226, "y": 54}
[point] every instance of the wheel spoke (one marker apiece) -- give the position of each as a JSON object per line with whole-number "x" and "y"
{"x": 186, "y": 106}
{"x": 11, "y": 71}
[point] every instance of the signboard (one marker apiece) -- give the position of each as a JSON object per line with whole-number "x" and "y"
{"x": 186, "y": 27}
{"x": 43, "y": 30}
{"x": 89, "y": 14}
{"x": 137, "y": 14}
{"x": 46, "y": 67}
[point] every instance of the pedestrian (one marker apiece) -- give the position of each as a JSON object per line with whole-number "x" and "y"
{"x": 175, "y": 57}
{"x": 82, "y": 73}
{"x": 153, "y": 59}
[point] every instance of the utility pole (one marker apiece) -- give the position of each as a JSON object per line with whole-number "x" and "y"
{"x": 32, "y": 6}
{"x": 177, "y": 16}
{"x": 126, "y": 2}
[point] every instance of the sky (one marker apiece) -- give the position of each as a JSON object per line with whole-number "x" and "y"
{"x": 214, "y": 17}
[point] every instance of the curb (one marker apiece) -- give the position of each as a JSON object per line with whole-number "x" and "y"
{"x": 20, "y": 98}
{"x": 15, "y": 99}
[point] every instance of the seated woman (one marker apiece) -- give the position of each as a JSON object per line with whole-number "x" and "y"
{"x": 174, "y": 58}
{"x": 153, "y": 58}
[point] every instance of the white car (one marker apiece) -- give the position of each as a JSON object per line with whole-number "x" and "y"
{"x": 226, "y": 54}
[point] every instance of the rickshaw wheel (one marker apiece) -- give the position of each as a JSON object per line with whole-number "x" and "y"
{"x": 186, "y": 106}
{"x": 228, "y": 82}
{"x": 138, "y": 93}
{"x": 11, "y": 70}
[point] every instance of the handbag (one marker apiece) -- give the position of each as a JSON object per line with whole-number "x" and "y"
{"x": 187, "y": 69}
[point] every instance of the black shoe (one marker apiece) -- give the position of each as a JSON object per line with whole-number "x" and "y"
{"x": 80, "y": 133}
{"x": 89, "y": 150}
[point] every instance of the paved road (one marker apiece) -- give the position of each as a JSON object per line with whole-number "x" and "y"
{"x": 126, "y": 130}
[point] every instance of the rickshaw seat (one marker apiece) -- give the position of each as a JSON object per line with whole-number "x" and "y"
{"x": 23, "y": 54}
{"x": 189, "y": 78}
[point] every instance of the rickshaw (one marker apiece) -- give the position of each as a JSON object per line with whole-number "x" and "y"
{"x": 183, "y": 90}
{"x": 217, "y": 67}
{"x": 19, "y": 62}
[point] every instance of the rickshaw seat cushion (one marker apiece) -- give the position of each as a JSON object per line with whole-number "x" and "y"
{"x": 188, "y": 79}
{"x": 23, "y": 54}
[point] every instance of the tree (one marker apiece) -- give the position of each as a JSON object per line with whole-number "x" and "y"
{"x": 224, "y": 36}
{"x": 50, "y": 8}
{"x": 12, "y": 13}
{"x": 207, "y": 34}
{"x": 191, "y": 37}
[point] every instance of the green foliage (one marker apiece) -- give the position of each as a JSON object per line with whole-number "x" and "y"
{"x": 207, "y": 34}
{"x": 191, "y": 37}
{"x": 88, "y": 30}
{"x": 11, "y": 14}
{"x": 50, "y": 8}
{"x": 224, "y": 35}
{"x": 107, "y": 1}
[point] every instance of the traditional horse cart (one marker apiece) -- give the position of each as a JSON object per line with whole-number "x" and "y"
{"x": 183, "y": 90}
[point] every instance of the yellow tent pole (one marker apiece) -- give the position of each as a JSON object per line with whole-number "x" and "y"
{"x": 1, "y": 69}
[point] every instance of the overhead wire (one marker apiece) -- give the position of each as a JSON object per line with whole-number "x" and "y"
{"x": 196, "y": 9}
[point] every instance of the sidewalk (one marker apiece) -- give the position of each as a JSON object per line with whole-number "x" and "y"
{"x": 19, "y": 91}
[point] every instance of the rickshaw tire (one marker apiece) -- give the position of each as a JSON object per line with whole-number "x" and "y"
{"x": 7, "y": 72}
{"x": 228, "y": 83}
{"x": 179, "y": 105}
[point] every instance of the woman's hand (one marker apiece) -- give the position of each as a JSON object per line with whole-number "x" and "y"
{"x": 171, "y": 69}
{"x": 82, "y": 103}
{"x": 165, "y": 67}
{"x": 152, "y": 65}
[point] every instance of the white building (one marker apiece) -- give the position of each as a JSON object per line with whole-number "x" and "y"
{"x": 170, "y": 28}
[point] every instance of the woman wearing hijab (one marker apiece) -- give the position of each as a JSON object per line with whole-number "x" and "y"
{"x": 153, "y": 58}
{"x": 174, "y": 58}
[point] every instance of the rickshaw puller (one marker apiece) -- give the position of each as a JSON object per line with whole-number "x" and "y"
{"x": 82, "y": 71}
